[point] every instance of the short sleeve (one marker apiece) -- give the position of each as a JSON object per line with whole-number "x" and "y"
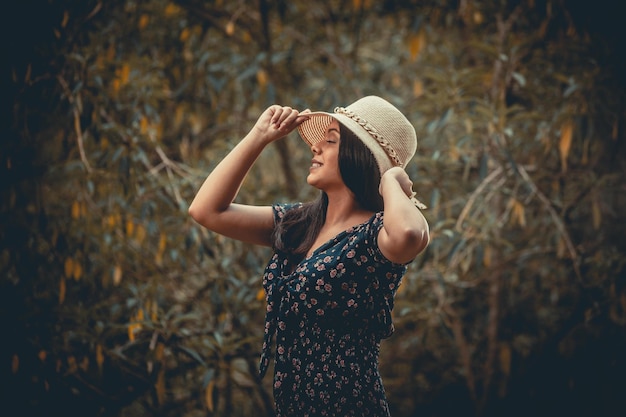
{"x": 372, "y": 232}
{"x": 281, "y": 209}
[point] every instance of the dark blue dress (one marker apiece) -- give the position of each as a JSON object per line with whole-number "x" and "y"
{"x": 329, "y": 313}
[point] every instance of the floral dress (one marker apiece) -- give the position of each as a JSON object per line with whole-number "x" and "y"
{"x": 329, "y": 313}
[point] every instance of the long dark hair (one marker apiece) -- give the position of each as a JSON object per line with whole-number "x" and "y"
{"x": 299, "y": 228}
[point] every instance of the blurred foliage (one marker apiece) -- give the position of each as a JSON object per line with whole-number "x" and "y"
{"x": 113, "y": 302}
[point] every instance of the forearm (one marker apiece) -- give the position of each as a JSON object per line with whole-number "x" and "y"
{"x": 405, "y": 230}
{"x": 401, "y": 215}
{"x": 213, "y": 205}
{"x": 221, "y": 186}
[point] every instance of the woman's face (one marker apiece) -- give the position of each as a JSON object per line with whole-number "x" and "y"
{"x": 324, "y": 171}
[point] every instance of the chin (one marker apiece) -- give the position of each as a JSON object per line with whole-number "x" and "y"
{"x": 312, "y": 182}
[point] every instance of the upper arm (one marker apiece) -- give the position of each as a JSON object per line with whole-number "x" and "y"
{"x": 253, "y": 224}
{"x": 403, "y": 247}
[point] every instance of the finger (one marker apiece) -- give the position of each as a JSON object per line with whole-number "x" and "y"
{"x": 289, "y": 121}
{"x": 276, "y": 111}
{"x": 291, "y": 118}
{"x": 284, "y": 113}
{"x": 301, "y": 118}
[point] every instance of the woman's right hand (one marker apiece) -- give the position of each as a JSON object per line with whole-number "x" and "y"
{"x": 278, "y": 121}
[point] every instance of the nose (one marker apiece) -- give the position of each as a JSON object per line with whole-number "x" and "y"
{"x": 315, "y": 149}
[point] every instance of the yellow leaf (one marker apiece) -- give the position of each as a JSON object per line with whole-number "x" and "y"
{"x": 454, "y": 153}
{"x": 260, "y": 295}
{"x": 171, "y": 9}
{"x": 99, "y": 356}
{"x": 66, "y": 18}
{"x": 184, "y": 35}
{"x": 179, "y": 115}
{"x": 505, "y": 359}
{"x": 396, "y": 80}
{"x": 418, "y": 88}
{"x": 125, "y": 74}
{"x": 158, "y": 132}
{"x": 160, "y": 349}
{"x": 417, "y": 42}
{"x": 208, "y": 395}
{"x": 132, "y": 329}
{"x": 478, "y": 17}
{"x": 364, "y": 4}
{"x": 143, "y": 21}
{"x": 565, "y": 143}
{"x": 230, "y": 28}
{"x": 518, "y": 213}
{"x": 159, "y": 386}
{"x": 154, "y": 312}
{"x": 140, "y": 315}
{"x": 117, "y": 275}
{"x": 596, "y": 214}
{"x": 110, "y": 221}
{"x": 75, "y": 210}
{"x": 115, "y": 85}
{"x": 71, "y": 364}
{"x": 42, "y": 355}
{"x": 261, "y": 77}
{"x": 77, "y": 271}
{"x": 62, "y": 289}
{"x": 84, "y": 364}
{"x": 487, "y": 256}
{"x": 162, "y": 242}
{"x": 130, "y": 228}
{"x": 143, "y": 125}
{"x": 140, "y": 234}
{"x": 69, "y": 267}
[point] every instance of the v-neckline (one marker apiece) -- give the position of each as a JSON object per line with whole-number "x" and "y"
{"x": 336, "y": 237}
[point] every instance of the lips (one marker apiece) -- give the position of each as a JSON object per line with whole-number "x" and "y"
{"x": 316, "y": 164}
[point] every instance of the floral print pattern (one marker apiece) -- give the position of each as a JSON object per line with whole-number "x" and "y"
{"x": 329, "y": 314}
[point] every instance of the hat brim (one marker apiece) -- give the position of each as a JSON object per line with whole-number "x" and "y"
{"x": 313, "y": 131}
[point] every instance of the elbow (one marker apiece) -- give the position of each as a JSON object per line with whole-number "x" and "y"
{"x": 198, "y": 214}
{"x": 206, "y": 216}
{"x": 418, "y": 239}
{"x": 193, "y": 211}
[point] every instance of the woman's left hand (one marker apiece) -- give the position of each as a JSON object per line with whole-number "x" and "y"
{"x": 401, "y": 177}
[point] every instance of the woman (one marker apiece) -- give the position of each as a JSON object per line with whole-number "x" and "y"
{"x": 337, "y": 261}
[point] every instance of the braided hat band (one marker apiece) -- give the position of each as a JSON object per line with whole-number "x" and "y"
{"x": 382, "y": 128}
{"x": 391, "y": 153}
{"x": 385, "y": 131}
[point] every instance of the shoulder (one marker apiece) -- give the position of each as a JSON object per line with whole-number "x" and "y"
{"x": 373, "y": 229}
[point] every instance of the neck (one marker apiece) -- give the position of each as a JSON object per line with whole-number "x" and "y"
{"x": 342, "y": 208}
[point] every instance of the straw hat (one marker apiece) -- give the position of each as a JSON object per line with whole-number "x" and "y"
{"x": 380, "y": 126}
